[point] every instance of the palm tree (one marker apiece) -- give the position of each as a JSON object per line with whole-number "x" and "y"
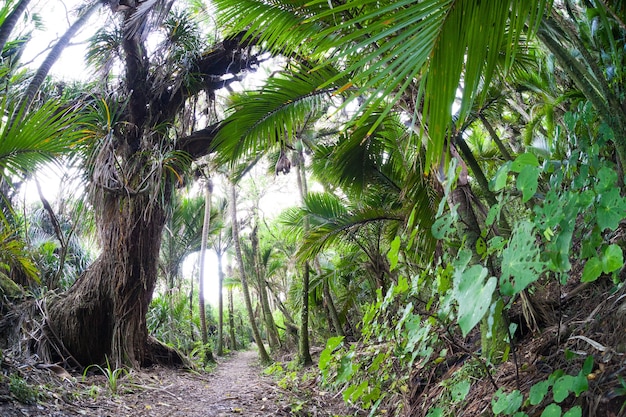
{"x": 265, "y": 358}
{"x": 221, "y": 241}
{"x": 54, "y": 55}
{"x": 230, "y": 282}
{"x": 11, "y": 19}
{"x": 208, "y": 191}
{"x": 183, "y": 236}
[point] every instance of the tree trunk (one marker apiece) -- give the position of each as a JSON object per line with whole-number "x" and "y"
{"x": 220, "y": 306}
{"x": 53, "y": 56}
{"x": 205, "y": 236}
{"x": 265, "y": 358}
{"x": 104, "y": 312}
{"x": 272, "y": 331}
{"x": 470, "y": 231}
{"x": 231, "y": 319}
{"x": 10, "y": 21}
{"x": 304, "y": 348}
{"x": 332, "y": 311}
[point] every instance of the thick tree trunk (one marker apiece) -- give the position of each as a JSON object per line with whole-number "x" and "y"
{"x": 104, "y": 313}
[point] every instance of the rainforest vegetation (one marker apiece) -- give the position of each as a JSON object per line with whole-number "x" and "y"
{"x": 454, "y": 243}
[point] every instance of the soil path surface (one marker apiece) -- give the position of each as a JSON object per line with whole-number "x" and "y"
{"x": 236, "y": 388}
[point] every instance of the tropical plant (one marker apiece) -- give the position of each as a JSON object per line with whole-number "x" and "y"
{"x": 112, "y": 376}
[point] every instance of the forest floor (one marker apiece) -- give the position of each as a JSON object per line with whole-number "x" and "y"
{"x": 237, "y": 387}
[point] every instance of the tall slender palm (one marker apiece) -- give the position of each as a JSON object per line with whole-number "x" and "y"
{"x": 221, "y": 242}
{"x": 265, "y": 358}
{"x": 208, "y": 192}
{"x": 10, "y": 21}
{"x": 54, "y": 55}
{"x": 183, "y": 236}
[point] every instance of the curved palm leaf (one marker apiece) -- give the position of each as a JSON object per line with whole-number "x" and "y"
{"x": 289, "y": 31}
{"x": 273, "y": 115}
{"x": 386, "y": 47}
{"x": 41, "y": 136}
{"x": 331, "y": 222}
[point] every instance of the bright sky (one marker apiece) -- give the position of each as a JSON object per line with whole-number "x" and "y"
{"x": 56, "y": 17}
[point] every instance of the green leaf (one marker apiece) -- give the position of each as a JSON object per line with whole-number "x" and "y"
{"x": 375, "y": 365}
{"x": 499, "y": 181}
{"x": 473, "y": 295}
{"x": 326, "y": 354}
{"x": 607, "y": 178}
{"x": 552, "y": 410}
{"x": 523, "y": 161}
{"x": 575, "y": 411}
{"x": 538, "y": 392}
{"x": 507, "y": 404}
{"x": 587, "y": 366}
{"x": 611, "y": 209}
{"x": 435, "y": 412}
{"x": 481, "y": 246}
{"x": 613, "y": 259}
{"x": 562, "y": 388}
{"x": 444, "y": 226}
{"x": 392, "y": 255}
{"x": 592, "y": 270}
{"x": 346, "y": 368}
{"x": 579, "y": 384}
{"x": 527, "y": 182}
{"x": 521, "y": 264}
{"x": 460, "y": 390}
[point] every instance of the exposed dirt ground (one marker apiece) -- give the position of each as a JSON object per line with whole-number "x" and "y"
{"x": 237, "y": 387}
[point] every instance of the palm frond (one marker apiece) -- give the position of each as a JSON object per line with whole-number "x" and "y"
{"x": 332, "y": 222}
{"x": 385, "y": 48}
{"x": 279, "y": 26}
{"x": 40, "y": 136}
{"x": 272, "y": 116}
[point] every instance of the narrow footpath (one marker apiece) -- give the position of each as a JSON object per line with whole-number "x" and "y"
{"x": 236, "y": 388}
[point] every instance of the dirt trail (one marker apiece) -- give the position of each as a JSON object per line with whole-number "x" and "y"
{"x": 236, "y": 388}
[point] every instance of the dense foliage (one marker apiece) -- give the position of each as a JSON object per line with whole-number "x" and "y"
{"x": 457, "y": 244}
